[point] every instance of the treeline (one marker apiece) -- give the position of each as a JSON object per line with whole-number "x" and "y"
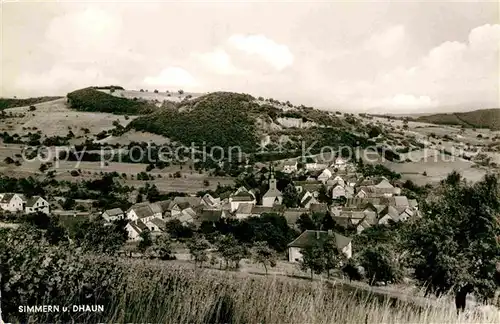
{"x": 93, "y": 100}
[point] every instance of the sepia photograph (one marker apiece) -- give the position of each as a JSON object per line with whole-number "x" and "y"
{"x": 250, "y": 161}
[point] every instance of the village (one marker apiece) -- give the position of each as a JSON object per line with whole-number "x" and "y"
{"x": 358, "y": 202}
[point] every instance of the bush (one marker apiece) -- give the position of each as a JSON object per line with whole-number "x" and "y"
{"x": 32, "y": 108}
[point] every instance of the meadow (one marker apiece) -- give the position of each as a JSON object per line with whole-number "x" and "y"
{"x": 164, "y": 292}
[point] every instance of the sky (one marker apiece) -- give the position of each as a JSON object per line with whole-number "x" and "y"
{"x": 386, "y": 57}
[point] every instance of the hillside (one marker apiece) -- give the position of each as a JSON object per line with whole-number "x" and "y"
{"x": 6, "y": 103}
{"x": 217, "y": 119}
{"x": 484, "y": 118}
{"x": 231, "y": 119}
{"x": 93, "y": 100}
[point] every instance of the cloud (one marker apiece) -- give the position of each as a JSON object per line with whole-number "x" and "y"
{"x": 277, "y": 55}
{"x": 172, "y": 77}
{"x": 219, "y": 62}
{"x": 60, "y": 80}
{"x": 388, "y": 42}
{"x": 84, "y": 34}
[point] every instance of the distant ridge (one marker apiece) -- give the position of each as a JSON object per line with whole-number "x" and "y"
{"x": 483, "y": 118}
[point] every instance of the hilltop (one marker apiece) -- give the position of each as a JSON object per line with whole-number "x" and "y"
{"x": 6, "y": 103}
{"x": 232, "y": 119}
{"x": 92, "y": 100}
{"x": 483, "y": 118}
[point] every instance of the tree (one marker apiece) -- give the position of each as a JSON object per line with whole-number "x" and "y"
{"x": 374, "y": 131}
{"x": 98, "y": 237}
{"x": 380, "y": 265}
{"x": 264, "y": 254}
{"x": 198, "y": 250}
{"x": 332, "y": 257}
{"x": 455, "y": 245}
{"x": 145, "y": 241}
{"x": 324, "y": 196}
{"x": 312, "y": 258}
{"x": 290, "y": 196}
{"x": 232, "y": 252}
{"x": 305, "y": 223}
{"x": 181, "y": 92}
{"x": 162, "y": 247}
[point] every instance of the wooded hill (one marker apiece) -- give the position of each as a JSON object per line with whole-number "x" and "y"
{"x": 484, "y": 118}
{"x": 93, "y": 100}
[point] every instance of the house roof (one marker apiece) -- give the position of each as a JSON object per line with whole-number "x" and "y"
{"x": 159, "y": 222}
{"x": 114, "y": 212}
{"x": 273, "y": 192}
{"x": 413, "y": 203}
{"x": 391, "y": 211}
{"x": 208, "y": 199}
{"x": 32, "y": 201}
{"x": 401, "y": 201}
{"x": 308, "y": 237}
{"x": 244, "y": 208}
{"x": 210, "y": 215}
{"x": 7, "y": 198}
{"x": 292, "y": 214}
{"x": 192, "y": 201}
{"x": 259, "y": 210}
{"x": 319, "y": 208}
{"x": 185, "y": 218}
{"x": 352, "y": 214}
{"x": 142, "y": 210}
{"x": 164, "y": 205}
{"x": 307, "y": 200}
{"x": 138, "y": 226}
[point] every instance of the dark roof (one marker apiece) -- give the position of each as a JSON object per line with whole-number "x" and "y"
{"x": 210, "y": 215}
{"x": 307, "y": 238}
{"x": 143, "y": 211}
{"x": 7, "y": 198}
{"x": 262, "y": 209}
{"x": 164, "y": 205}
{"x": 32, "y": 201}
{"x": 292, "y": 214}
{"x": 138, "y": 226}
{"x": 159, "y": 222}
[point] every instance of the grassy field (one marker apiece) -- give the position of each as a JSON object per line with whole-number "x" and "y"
{"x": 55, "y": 118}
{"x": 150, "y": 95}
{"x": 163, "y": 292}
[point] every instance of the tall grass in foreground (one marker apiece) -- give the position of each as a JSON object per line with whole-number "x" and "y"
{"x": 160, "y": 292}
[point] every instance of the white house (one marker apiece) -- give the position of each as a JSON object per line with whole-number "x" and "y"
{"x": 144, "y": 212}
{"x": 241, "y": 196}
{"x": 325, "y": 175}
{"x": 134, "y": 229}
{"x": 273, "y": 196}
{"x": 156, "y": 225}
{"x": 37, "y": 204}
{"x": 307, "y": 238}
{"x": 113, "y": 214}
{"x": 12, "y": 202}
